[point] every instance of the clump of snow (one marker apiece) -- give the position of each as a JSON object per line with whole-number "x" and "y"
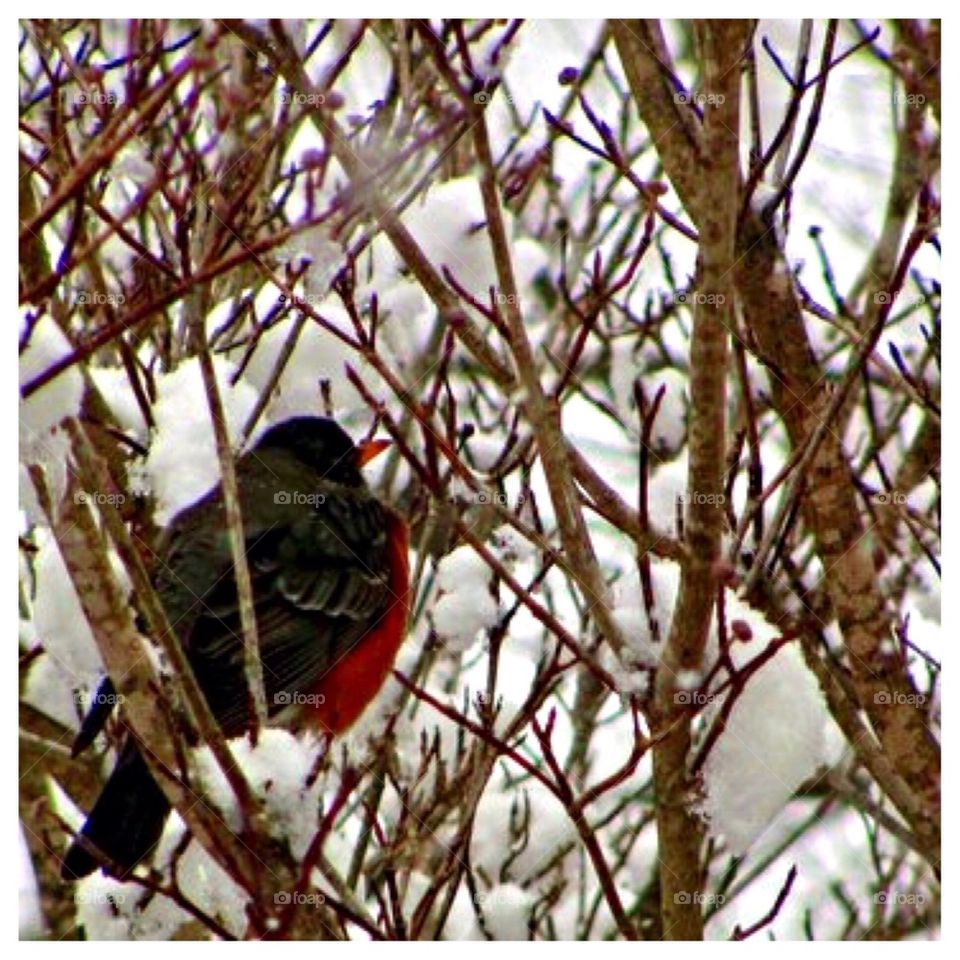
{"x": 645, "y": 631}
{"x": 465, "y": 605}
{"x": 459, "y": 566}
{"x": 110, "y": 910}
{"x": 114, "y": 386}
{"x": 42, "y": 442}
{"x": 183, "y": 424}
{"x": 318, "y": 257}
{"x": 777, "y": 733}
{"x": 520, "y": 832}
{"x": 43, "y": 411}
{"x": 483, "y": 450}
{"x": 536, "y": 58}
{"x": 688, "y": 679}
{"x": 774, "y": 738}
{"x": 277, "y": 770}
{"x": 318, "y": 362}
{"x": 449, "y": 226}
{"x": 57, "y": 614}
{"x": 926, "y": 635}
{"x": 61, "y": 682}
{"x": 209, "y": 886}
{"x": 506, "y": 911}
{"x": 105, "y": 907}
{"x": 53, "y": 691}
{"x": 668, "y": 486}
{"x": 31, "y": 922}
{"x": 670, "y": 425}
{"x": 511, "y": 546}
{"x": 406, "y": 318}
{"x": 459, "y": 617}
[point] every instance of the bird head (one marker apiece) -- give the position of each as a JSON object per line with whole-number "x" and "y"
{"x": 323, "y": 445}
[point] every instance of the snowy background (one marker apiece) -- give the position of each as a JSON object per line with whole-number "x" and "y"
{"x": 528, "y": 864}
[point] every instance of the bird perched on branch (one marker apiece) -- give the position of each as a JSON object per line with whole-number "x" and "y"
{"x": 329, "y": 571}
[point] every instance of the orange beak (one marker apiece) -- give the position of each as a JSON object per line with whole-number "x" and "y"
{"x": 367, "y": 451}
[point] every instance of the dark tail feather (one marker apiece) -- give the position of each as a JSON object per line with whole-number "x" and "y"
{"x": 125, "y": 822}
{"x": 96, "y": 717}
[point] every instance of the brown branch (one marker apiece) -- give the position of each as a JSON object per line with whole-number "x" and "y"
{"x": 679, "y": 830}
{"x": 108, "y": 613}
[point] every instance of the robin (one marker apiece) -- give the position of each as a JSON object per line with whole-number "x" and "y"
{"x": 329, "y": 568}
